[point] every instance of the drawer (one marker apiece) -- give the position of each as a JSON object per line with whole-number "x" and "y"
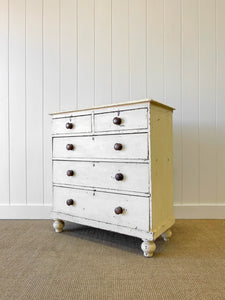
{"x": 130, "y": 119}
{"x": 100, "y": 206}
{"x": 77, "y": 124}
{"x": 134, "y": 146}
{"x": 119, "y": 176}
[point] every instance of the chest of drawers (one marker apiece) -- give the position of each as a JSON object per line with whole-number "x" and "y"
{"x": 113, "y": 169}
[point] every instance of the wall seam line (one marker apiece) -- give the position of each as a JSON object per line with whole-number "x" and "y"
{"x": 199, "y": 145}
{"x": 77, "y": 54}
{"x": 146, "y": 49}
{"x": 129, "y": 53}
{"x": 94, "y": 54}
{"x": 111, "y": 56}
{"x": 181, "y": 94}
{"x": 164, "y": 57}
{"x": 9, "y": 143}
{"x": 60, "y": 60}
{"x": 25, "y": 92}
{"x": 216, "y": 103}
{"x": 42, "y": 92}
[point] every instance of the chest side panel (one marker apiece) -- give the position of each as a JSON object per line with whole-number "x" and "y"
{"x": 161, "y": 167}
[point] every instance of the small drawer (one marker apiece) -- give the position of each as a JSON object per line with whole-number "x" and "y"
{"x": 122, "y": 120}
{"x": 132, "y": 211}
{"x": 133, "y": 177}
{"x": 126, "y": 146}
{"x": 79, "y": 124}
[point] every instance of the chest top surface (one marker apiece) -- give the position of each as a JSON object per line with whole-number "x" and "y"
{"x": 110, "y": 107}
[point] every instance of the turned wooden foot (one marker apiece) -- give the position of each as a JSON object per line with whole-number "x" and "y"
{"x": 167, "y": 235}
{"x": 148, "y": 248}
{"x": 58, "y": 225}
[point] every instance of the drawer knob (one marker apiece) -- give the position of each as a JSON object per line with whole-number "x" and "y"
{"x": 117, "y": 121}
{"x": 118, "y": 210}
{"x": 69, "y": 125}
{"x": 70, "y": 173}
{"x": 118, "y": 146}
{"x": 119, "y": 176}
{"x": 69, "y": 147}
{"x": 69, "y": 202}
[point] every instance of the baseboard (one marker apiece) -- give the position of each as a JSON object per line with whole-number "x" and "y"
{"x": 199, "y": 211}
{"x": 181, "y": 211}
{"x": 22, "y": 211}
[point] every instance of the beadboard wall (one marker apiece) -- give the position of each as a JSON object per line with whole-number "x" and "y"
{"x": 66, "y": 54}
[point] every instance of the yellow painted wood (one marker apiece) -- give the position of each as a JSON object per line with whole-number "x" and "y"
{"x": 161, "y": 166}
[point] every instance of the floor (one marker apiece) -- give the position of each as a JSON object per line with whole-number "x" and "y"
{"x": 88, "y": 264}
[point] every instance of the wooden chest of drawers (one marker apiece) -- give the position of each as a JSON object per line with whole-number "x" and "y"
{"x": 113, "y": 169}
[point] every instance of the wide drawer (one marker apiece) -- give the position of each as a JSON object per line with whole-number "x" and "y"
{"x": 79, "y": 124}
{"x": 122, "y": 120}
{"x": 100, "y": 206}
{"x": 134, "y": 146}
{"x": 119, "y": 176}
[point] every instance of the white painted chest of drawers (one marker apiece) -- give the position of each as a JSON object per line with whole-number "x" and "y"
{"x": 113, "y": 169}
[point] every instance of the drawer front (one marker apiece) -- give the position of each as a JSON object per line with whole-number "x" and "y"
{"x": 119, "y": 176}
{"x": 77, "y": 124}
{"x": 100, "y": 206}
{"x": 125, "y": 120}
{"x": 134, "y": 146}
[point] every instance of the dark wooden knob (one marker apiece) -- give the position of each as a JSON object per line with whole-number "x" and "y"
{"x": 69, "y": 202}
{"x": 117, "y": 121}
{"x": 119, "y": 176}
{"x": 69, "y": 147}
{"x": 69, "y": 125}
{"x": 70, "y": 173}
{"x": 118, "y": 146}
{"x": 118, "y": 210}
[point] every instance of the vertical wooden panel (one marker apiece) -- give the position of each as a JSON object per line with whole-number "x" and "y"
{"x": 103, "y": 45}
{"x": 68, "y": 38}
{"x": 173, "y": 84}
{"x": 190, "y": 145}
{"x": 17, "y": 101}
{"x": 220, "y": 98}
{"x": 207, "y": 101}
{"x": 120, "y": 51}
{"x": 85, "y": 53}
{"x": 4, "y": 120}
{"x": 155, "y": 50}
{"x": 185, "y": 68}
{"x": 34, "y": 101}
{"x": 51, "y": 84}
{"x": 137, "y": 48}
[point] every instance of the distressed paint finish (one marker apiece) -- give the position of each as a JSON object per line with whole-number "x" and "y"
{"x": 141, "y": 202}
{"x": 102, "y": 175}
{"x": 102, "y": 147}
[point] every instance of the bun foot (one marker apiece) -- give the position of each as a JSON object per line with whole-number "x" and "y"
{"x": 148, "y": 248}
{"x": 58, "y": 225}
{"x": 167, "y": 235}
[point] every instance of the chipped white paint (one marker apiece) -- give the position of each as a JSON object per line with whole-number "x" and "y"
{"x": 102, "y": 146}
{"x": 102, "y": 175}
{"x": 93, "y": 192}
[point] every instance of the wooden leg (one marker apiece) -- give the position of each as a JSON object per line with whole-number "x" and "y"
{"x": 58, "y": 225}
{"x": 148, "y": 248}
{"x": 167, "y": 235}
